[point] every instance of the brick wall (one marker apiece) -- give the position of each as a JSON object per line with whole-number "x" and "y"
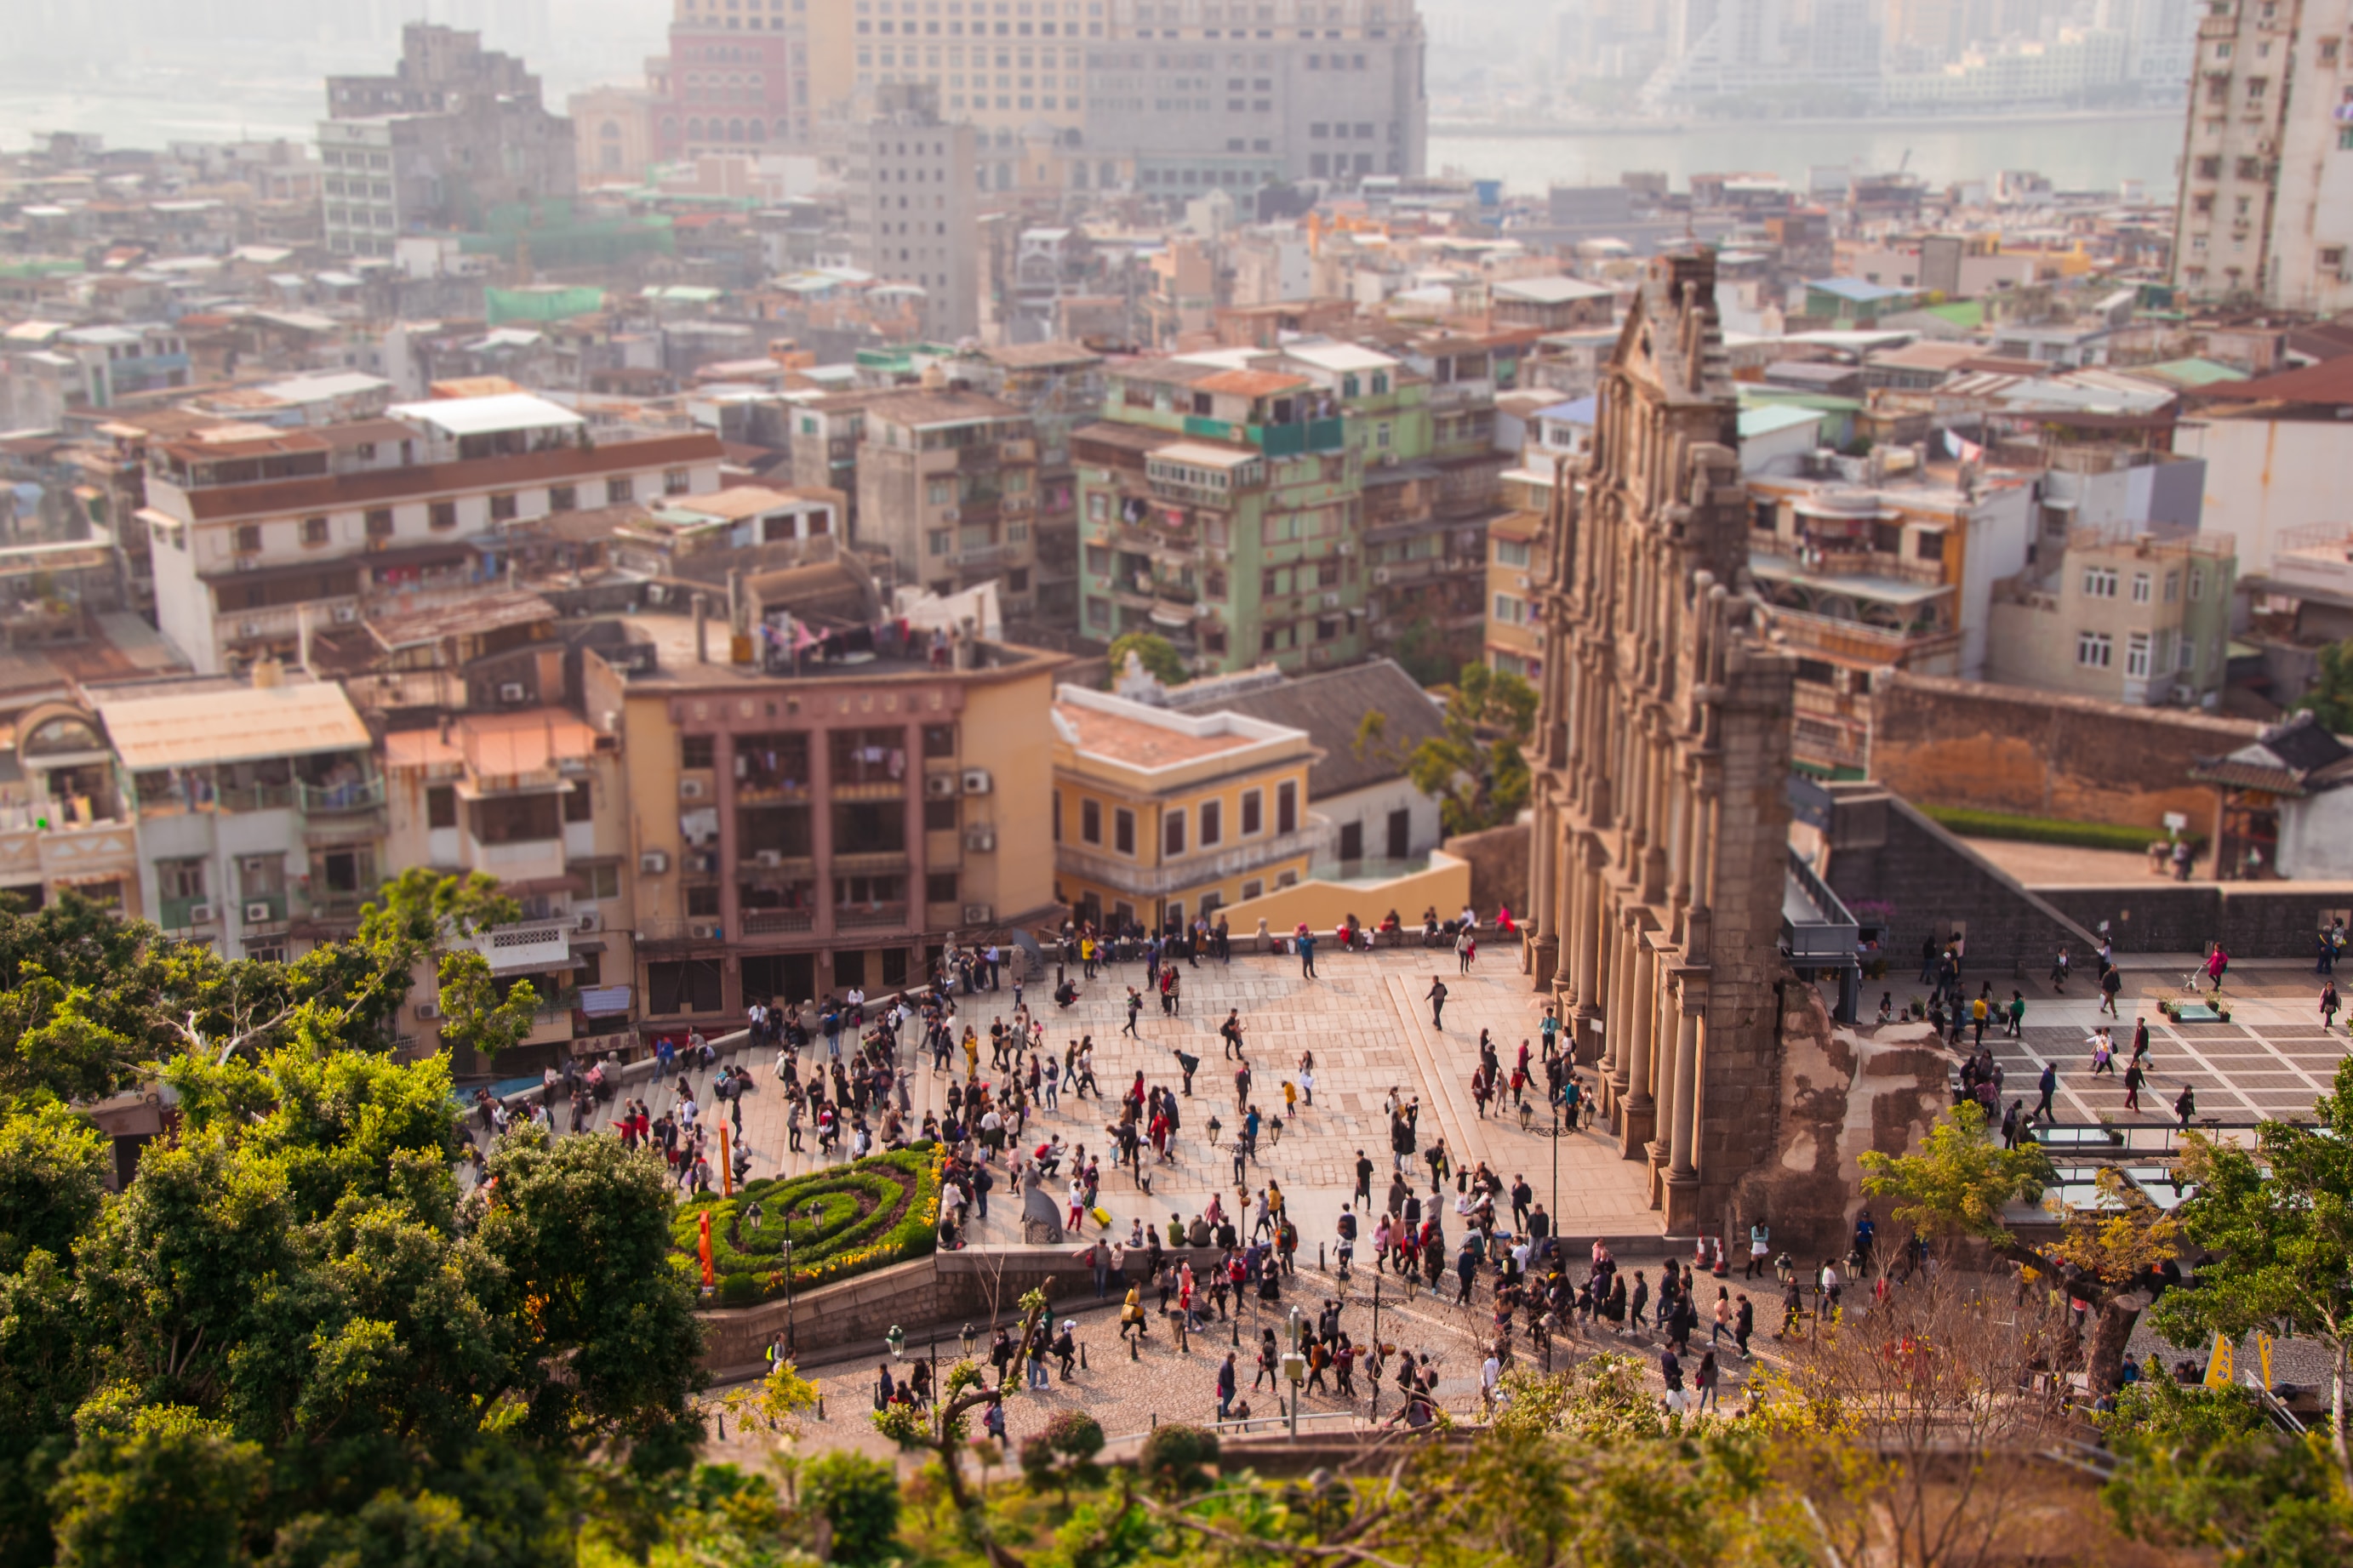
{"x": 1499, "y": 870}
{"x": 1943, "y": 741}
{"x": 1897, "y": 870}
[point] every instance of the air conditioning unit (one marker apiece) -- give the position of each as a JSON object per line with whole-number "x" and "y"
{"x": 939, "y": 786}
{"x": 769, "y": 859}
{"x": 1347, "y": 547}
{"x": 978, "y": 914}
{"x": 691, "y": 789}
{"x": 428, "y": 1011}
{"x": 347, "y": 614}
{"x": 703, "y": 862}
{"x": 249, "y": 628}
{"x": 653, "y": 862}
{"x": 1523, "y": 583}
{"x": 257, "y": 913}
{"x": 588, "y": 920}
{"x": 981, "y": 840}
{"x": 976, "y": 780}
{"x": 704, "y": 932}
{"x": 510, "y": 691}
{"x": 952, "y": 515}
{"x": 1388, "y": 459}
{"x": 1380, "y": 576}
{"x": 657, "y": 593}
{"x": 200, "y": 914}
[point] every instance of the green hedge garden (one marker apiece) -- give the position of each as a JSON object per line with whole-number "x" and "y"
{"x": 885, "y": 1209}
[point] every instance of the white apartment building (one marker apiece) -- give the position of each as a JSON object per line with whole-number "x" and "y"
{"x": 258, "y": 809}
{"x": 2266, "y": 203}
{"x": 260, "y": 532}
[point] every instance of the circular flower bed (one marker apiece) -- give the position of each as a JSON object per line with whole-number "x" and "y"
{"x": 884, "y": 1210}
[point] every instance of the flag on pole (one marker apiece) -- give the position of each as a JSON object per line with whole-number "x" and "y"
{"x": 2217, "y": 1363}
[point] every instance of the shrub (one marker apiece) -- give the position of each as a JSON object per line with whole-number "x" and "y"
{"x": 1173, "y": 1458}
{"x": 1063, "y": 1453}
{"x": 856, "y": 1496}
{"x": 1970, "y": 822}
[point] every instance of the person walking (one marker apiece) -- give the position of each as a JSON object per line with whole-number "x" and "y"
{"x": 2134, "y": 1078}
{"x": 1226, "y": 1388}
{"x": 2186, "y": 1106}
{"x": 1134, "y": 1011}
{"x": 2112, "y": 981}
{"x": 2017, "y": 1014}
{"x": 1437, "y": 1000}
{"x": 2217, "y": 963}
{"x": 2048, "y": 1084}
{"x": 1306, "y": 942}
{"x": 2327, "y": 1006}
{"x": 1705, "y": 1381}
{"x": 2059, "y": 967}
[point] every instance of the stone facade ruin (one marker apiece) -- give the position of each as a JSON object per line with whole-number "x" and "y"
{"x": 1660, "y": 852}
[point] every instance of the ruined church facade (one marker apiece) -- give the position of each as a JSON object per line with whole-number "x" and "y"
{"x": 1661, "y": 813}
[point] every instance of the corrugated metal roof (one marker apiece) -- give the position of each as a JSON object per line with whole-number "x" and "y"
{"x": 242, "y": 724}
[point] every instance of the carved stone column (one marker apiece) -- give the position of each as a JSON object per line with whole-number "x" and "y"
{"x": 1682, "y": 1187}
{"x": 1637, "y": 1110}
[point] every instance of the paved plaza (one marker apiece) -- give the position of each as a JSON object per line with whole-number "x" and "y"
{"x": 1364, "y": 1019}
{"x": 2271, "y": 1059}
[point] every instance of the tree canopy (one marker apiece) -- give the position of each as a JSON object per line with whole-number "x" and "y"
{"x": 1158, "y": 655}
{"x": 291, "y": 1336}
{"x": 2331, "y": 697}
{"x": 1476, "y": 768}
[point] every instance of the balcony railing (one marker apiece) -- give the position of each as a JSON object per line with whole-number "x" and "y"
{"x": 776, "y": 922}
{"x": 1158, "y": 881}
{"x": 353, "y": 795}
{"x": 862, "y": 917}
{"x": 535, "y": 945}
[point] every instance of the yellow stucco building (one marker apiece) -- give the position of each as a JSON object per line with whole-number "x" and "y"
{"x": 1161, "y": 815}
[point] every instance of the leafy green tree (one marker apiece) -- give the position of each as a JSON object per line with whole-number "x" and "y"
{"x": 52, "y": 1182}
{"x": 1477, "y": 768}
{"x": 2206, "y": 1468}
{"x": 858, "y": 1497}
{"x": 2278, "y": 1223}
{"x": 1959, "y": 1181}
{"x": 291, "y": 1284}
{"x": 154, "y": 1486}
{"x": 1158, "y": 654}
{"x": 2331, "y": 697}
{"x": 1064, "y": 1453}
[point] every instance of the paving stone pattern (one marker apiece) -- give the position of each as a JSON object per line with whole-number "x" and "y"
{"x": 1364, "y": 1019}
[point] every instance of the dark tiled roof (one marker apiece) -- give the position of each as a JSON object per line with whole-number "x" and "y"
{"x": 1329, "y": 708}
{"x": 2297, "y": 757}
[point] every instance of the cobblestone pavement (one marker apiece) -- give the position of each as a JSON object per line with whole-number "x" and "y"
{"x": 1167, "y": 1381}
{"x": 1364, "y": 1020}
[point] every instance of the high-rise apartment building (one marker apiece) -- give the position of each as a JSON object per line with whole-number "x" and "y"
{"x": 912, "y": 218}
{"x": 1222, "y": 508}
{"x": 2266, "y": 202}
{"x": 1173, "y": 96}
{"x": 737, "y": 79}
{"x": 454, "y": 132}
{"x": 1201, "y": 94}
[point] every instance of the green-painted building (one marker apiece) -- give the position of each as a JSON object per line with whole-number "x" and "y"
{"x": 1222, "y": 508}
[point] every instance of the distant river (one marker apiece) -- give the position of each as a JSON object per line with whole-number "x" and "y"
{"x": 2074, "y": 152}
